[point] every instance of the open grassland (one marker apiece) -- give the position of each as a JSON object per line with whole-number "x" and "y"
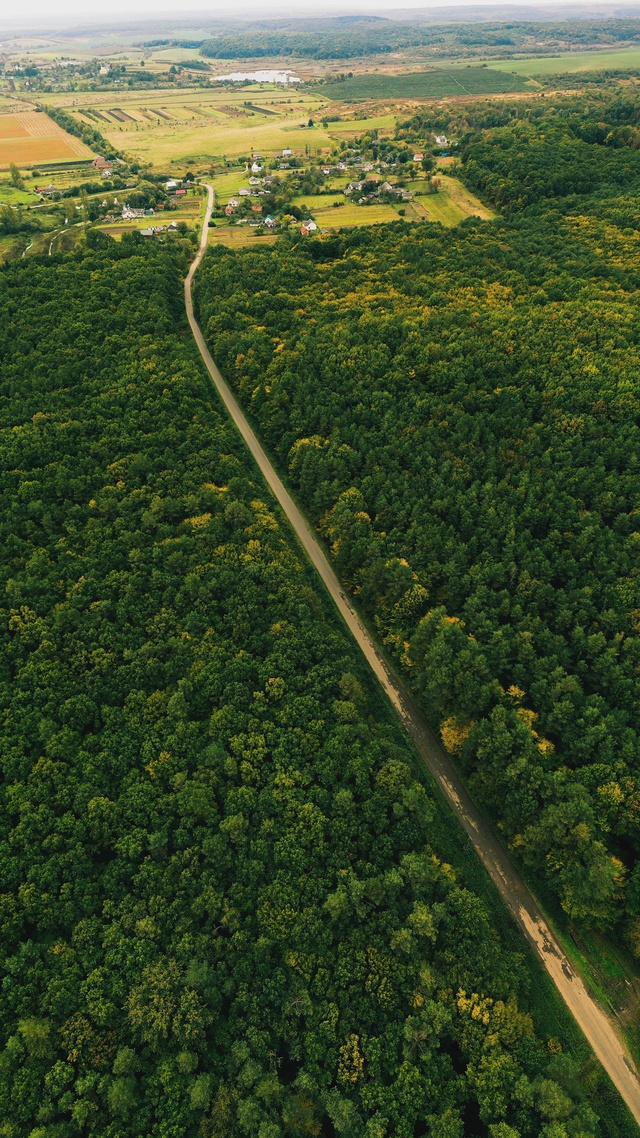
{"x": 627, "y": 59}
{"x": 236, "y": 237}
{"x": 31, "y": 137}
{"x": 355, "y": 215}
{"x": 385, "y": 124}
{"x": 9, "y": 195}
{"x": 313, "y": 202}
{"x": 429, "y": 84}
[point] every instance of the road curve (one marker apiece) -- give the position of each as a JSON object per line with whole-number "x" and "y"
{"x": 596, "y": 1025}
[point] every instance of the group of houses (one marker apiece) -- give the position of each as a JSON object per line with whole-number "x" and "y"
{"x": 257, "y": 188}
{"x": 362, "y": 192}
{"x": 130, "y": 214}
{"x": 154, "y": 230}
{"x": 268, "y": 222}
{"x": 105, "y": 167}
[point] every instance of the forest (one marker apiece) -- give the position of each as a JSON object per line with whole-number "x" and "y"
{"x": 354, "y": 36}
{"x": 225, "y": 909}
{"x": 458, "y": 411}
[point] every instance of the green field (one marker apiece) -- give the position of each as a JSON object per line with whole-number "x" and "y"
{"x": 429, "y": 84}
{"x": 629, "y": 59}
{"x": 9, "y": 195}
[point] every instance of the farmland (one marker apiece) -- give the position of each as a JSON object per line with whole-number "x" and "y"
{"x": 429, "y": 84}
{"x": 30, "y": 137}
{"x": 165, "y": 128}
{"x": 570, "y": 62}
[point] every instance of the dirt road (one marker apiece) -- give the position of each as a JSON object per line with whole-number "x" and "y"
{"x": 596, "y": 1025}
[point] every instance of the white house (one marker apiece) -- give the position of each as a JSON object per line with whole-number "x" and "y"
{"x": 270, "y": 222}
{"x": 234, "y": 202}
{"x": 308, "y": 227}
{"x": 244, "y": 191}
{"x": 256, "y": 168}
{"x": 441, "y": 140}
{"x": 286, "y": 153}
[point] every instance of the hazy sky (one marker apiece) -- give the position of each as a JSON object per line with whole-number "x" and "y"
{"x": 49, "y": 12}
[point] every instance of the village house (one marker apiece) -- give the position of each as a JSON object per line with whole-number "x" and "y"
{"x": 286, "y": 153}
{"x": 256, "y": 209}
{"x": 256, "y": 168}
{"x": 308, "y": 227}
{"x": 234, "y": 202}
{"x": 229, "y": 210}
{"x": 99, "y": 162}
{"x": 327, "y": 170}
{"x": 270, "y": 222}
{"x": 441, "y": 140}
{"x": 244, "y": 191}
{"x": 129, "y": 214}
{"x": 255, "y": 181}
{"x": 181, "y": 193}
{"x": 172, "y": 184}
{"x": 418, "y": 157}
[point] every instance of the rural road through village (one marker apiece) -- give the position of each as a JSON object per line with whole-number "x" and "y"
{"x": 595, "y": 1023}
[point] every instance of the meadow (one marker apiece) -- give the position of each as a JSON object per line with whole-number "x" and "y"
{"x": 30, "y": 137}
{"x": 627, "y": 59}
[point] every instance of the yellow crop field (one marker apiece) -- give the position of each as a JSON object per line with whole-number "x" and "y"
{"x": 31, "y": 137}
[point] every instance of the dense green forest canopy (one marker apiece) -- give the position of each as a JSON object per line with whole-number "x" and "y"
{"x": 459, "y": 412}
{"x": 351, "y": 37}
{"x": 224, "y": 910}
